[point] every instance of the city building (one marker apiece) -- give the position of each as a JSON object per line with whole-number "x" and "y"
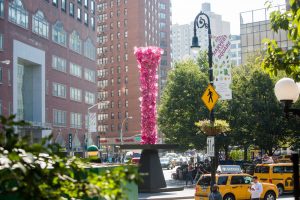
{"x": 51, "y": 79}
{"x": 182, "y": 34}
{"x": 123, "y": 25}
{"x": 235, "y": 50}
{"x": 255, "y": 26}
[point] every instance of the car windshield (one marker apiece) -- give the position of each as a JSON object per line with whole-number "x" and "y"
{"x": 136, "y": 155}
{"x": 164, "y": 160}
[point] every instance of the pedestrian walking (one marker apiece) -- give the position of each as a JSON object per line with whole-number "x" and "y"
{"x": 256, "y": 189}
{"x": 189, "y": 175}
{"x": 215, "y": 194}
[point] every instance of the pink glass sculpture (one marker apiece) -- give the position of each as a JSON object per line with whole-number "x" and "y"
{"x": 148, "y": 59}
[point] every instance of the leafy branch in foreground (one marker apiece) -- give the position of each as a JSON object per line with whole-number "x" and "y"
{"x": 37, "y": 171}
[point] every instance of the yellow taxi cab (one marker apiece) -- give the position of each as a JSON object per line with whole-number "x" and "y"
{"x": 232, "y": 186}
{"x": 280, "y": 174}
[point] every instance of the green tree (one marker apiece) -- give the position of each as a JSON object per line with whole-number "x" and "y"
{"x": 278, "y": 58}
{"x": 37, "y": 172}
{"x": 256, "y": 116}
{"x": 181, "y": 105}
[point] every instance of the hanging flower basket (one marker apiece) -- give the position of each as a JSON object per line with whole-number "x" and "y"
{"x": 219, "y": 126}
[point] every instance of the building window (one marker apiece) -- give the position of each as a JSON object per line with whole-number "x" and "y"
{"x": 89, "y": 49}
{"x": 75, "y": 94}
{"x": 59, "y": 64}
{"x": 75, "y": 70}
{"x": 162, "y": 6}
{"x": 126, "y": 91}
{"x": 126, "y": 103}
{"x": 126, "y": 34}
{"x": 75, "y": 121}
{"x": 59, "y": 117}
{"x": 162, "y": 15}
{"x": 93, "y": 7}
{"x": 59, "y": 35}
{"x": 86, "y": 19}
{"x": 54, "y": 2}
{"x": 59, "y": 90}
{"x": 112, "y": 104}
{"x": 126, "y": 68}
{"x": 103, "y": 128}
{"x": 89, "y": 98}
{"x": 1, "y": 41}
{"x": 71, "y": 9}
{"x": 93, "y": 23}
{"x": 89, "y": 75}
{"x": 112, "y": 116}
{"x": 126, "y": 79}
{"x": 125, "y": 11}
{"x": 126, "y": 57}
{"x": 112, "y": 127}
{"x": 75, "y": 42}
{"x": 119, "y": 93}
{"x": 17, "y": 14}
{"x": 79, "y": 14}
{"x": 40, "y": 25}
{"x": 64, "y": 5}
{"x": 1, "y": 8}
{"x": 86, "y": 3}
{"x": 79, "y": 1}
{"x": 103, "y": 83}
{"x": 119, "y": 69}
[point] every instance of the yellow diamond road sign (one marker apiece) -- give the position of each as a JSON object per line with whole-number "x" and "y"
{"x": 210, "y": 97}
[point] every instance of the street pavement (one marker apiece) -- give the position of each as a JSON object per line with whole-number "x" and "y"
{"x": 187, "y": 193}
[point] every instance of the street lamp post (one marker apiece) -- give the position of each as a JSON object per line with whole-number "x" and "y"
{"x": 202, "y": 21}
{"x": 287, "y": 92}
{"x": 121, "y": 132}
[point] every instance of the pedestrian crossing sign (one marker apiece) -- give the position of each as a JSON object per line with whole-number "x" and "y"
{"x": 210, "y": 97}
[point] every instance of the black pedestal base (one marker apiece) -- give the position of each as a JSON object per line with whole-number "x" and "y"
{"x": 152, "y": 174}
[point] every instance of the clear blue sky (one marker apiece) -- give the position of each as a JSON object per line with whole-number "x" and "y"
{"x": 185, "y": 11}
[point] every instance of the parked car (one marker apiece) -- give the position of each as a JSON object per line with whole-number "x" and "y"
{"x": 133, "y": 157}
{"x": 166, "y": 163}
{"x": 280, "y": 174}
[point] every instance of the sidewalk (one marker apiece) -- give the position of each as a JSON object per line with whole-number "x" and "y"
{"x": 187, "y": 193}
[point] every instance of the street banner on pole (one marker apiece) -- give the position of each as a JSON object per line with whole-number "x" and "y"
{"x": 92, "y": 123}
{"x": 222, "y": 66}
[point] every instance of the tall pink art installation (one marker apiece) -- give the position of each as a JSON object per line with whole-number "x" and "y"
{"x": 148, "y": 59}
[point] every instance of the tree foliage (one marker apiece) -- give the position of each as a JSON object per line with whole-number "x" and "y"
{"x": 278, "y": 58}
{"x": 181, "y": 106}
{"x": 37, "y": 172}
{"x": 256, "y": 116}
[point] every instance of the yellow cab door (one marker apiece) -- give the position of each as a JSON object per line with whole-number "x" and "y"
{"x": 203, "y": 188}
{"x": 238, "y": 187}
{"x": 263, "y": 173}
{"x": 288, "y": 178}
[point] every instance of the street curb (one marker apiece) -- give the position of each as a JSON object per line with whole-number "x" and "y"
{"x": 167, "y": 198}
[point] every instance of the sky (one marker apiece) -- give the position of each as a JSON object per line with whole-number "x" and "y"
{"x": 185, "y": 11}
